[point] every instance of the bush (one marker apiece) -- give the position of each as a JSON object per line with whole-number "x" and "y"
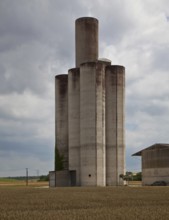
{"x": 44, "y": 178}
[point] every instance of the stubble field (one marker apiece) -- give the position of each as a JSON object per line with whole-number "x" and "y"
{"x": 19, "y": 183}
{"x": 132, "y": 203}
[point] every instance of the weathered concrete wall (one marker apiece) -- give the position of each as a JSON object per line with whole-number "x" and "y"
{"x": 121, "y": 121}
{"x": 59, "y": 178}
{"x": 52, "y": 179}
{"x": 86, "y": 40}
{"x": 155, "y": 158}
{"x": 111, "y": 128}
{"x": 61, "y": 116}
{"x": 92, "y": 123}
{"x": 115, "y": 142}
{"x": 100, "y": 122}
{"x": 151, "y": 175}
{"x": 155, "y": 165}
{"x": 74, "y": 121}
{"x": 88, "y": 124}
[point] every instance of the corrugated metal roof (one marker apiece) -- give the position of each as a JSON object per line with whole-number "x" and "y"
{"x": 154, "y": 146}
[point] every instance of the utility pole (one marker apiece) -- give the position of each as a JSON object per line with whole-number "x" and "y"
{"x": 26, "y": 176}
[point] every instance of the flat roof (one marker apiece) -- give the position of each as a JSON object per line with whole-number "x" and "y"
{"x": 152, "y": 147}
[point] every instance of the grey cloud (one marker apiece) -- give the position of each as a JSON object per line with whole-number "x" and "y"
{"x": 156, "y": 110}
{"x": 32, "y": 36}
{"x": 115, "y": 23}
{"x": 32, "y": 148}
{"x": 16, "y": 24}
{"x": 37, "y": 42}
{"x": 160, "y": 59}
{"x": 26, "y": 68}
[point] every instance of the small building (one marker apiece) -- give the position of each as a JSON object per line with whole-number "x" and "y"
{"x": 155, "y": 163}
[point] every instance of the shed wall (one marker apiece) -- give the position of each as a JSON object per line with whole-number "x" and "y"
{"x": 151, "y": 175}
{"x": 155, "y": 158}
{"x": 155, "y": 165}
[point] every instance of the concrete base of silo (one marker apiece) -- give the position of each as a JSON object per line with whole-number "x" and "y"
{"x": 63, "y": 178}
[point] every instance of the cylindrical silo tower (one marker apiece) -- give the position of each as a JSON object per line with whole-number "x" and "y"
{"x": 61, "y": 121}
{"x": 92, "y": 123}
{"x": 74, "y": 122}
{"x": 115, "y": 136}
{"x": 88, "y": 124}
{"x": 100, "y": 121}
{"x": 86, "y": 40}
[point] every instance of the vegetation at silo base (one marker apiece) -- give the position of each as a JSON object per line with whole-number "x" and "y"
{"x": 129, "y": 176}
{"x": 75, "y": 203}
{"x": 59, "y": 160}
{"x": 44, "y": 178}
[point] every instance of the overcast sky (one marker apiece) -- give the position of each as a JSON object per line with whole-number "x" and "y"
{"x": 37, "y": 43}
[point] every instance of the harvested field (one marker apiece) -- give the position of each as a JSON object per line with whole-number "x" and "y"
{"x": 12, "y": 182}
{"x": 84, "y": 203}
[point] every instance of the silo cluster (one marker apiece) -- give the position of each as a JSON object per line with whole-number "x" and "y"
{"x": 90, "y": 116}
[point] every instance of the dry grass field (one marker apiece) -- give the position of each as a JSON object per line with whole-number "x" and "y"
{"x": 132, "y": 203}
{"x": 13, "y": 182}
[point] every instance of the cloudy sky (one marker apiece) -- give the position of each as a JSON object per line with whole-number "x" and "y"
{"x": 37, "y": 43}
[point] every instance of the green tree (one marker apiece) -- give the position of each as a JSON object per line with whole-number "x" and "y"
{"x": 44, "y": 178}
{"x": 139, "y": 176}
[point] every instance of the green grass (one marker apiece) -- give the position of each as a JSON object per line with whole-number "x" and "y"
{"x": 144, "y": 203}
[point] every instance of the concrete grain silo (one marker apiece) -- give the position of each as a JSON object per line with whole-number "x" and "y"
{"x": 74, "y": 121}
{"x": 115, "y": 142}
{"x": 61, "y": 117}
{"x": 93, "y": 124}
{"x": 86, "y": 40}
